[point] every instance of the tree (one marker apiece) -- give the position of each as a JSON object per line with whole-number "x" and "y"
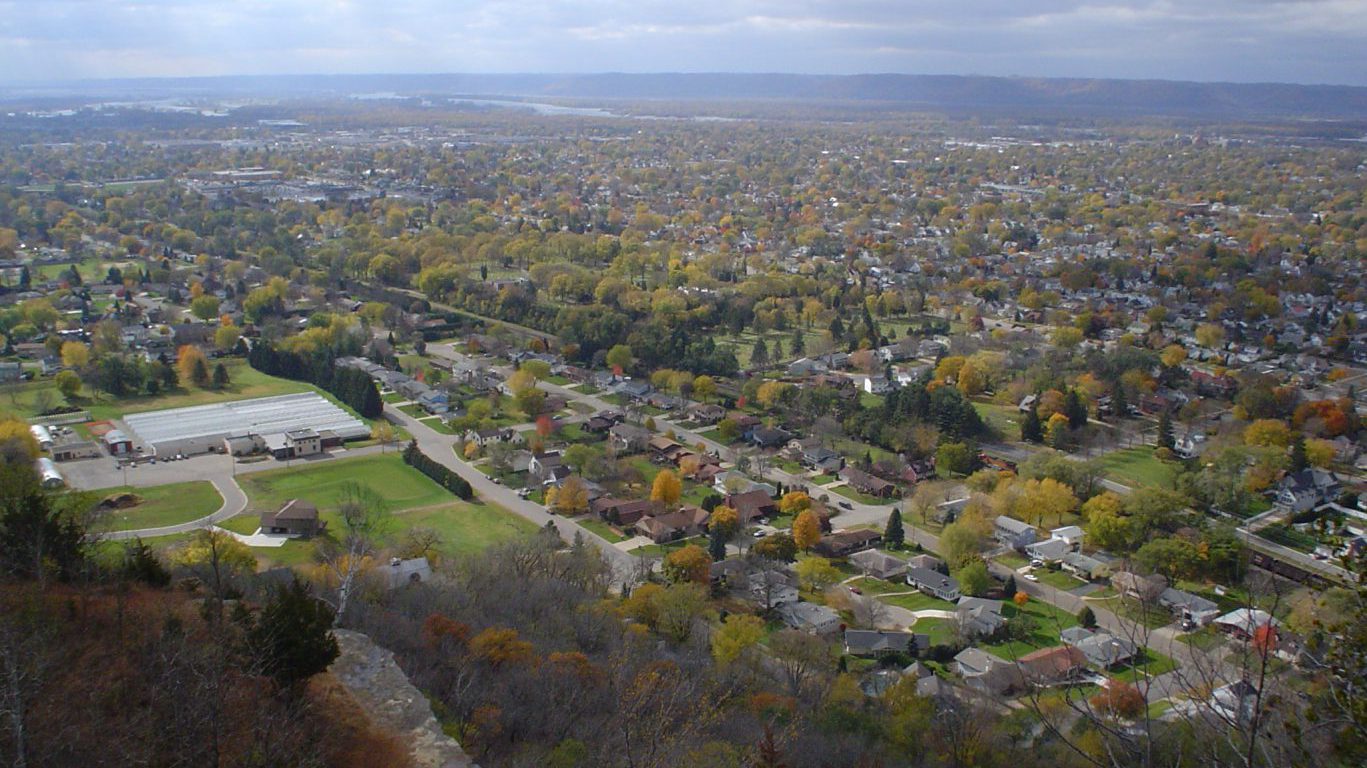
{"x": 728, "y": 431}
{"x": 666, "y": 488}
{"x": 1173, "y": 558}
{"x": 1075, "y": 409}
{"x": 1300, "y": 458}
{"x": 779, "y": 546}
{"x": 678, "y": 607}
{"x": 704, "y": 387}
{"x": 725, "y": 521}
{"x": 1010, "y": 588}
{"x": 620, "y": 358}
{"x": 759, "y": 355}
{"x": 227, "y": 336}
{"x": 800, "y": 657}
{"x": 218, "y": 560}
{"x": 571, "y": 498}
{"x": 1268, "y": 432}
{"x": 1047, "y": 498}
{"x": 363, "y": 521}
{"x": 806, "y": 530}
{"x": 894, "y": 535}
{"x": 75, "y": 354}
{"x": 205, "y": 307}
{"x": 220, "y": 376}
{"x": 794, "y": 502}
{"x": 1031, "y": 430}
{"x": 815, "y": 574}
{"x": 292, "y": 637}
{"x": 383, "y": 433}
{"x": 1109, "y": 530}
{"x": 716, "y": 544}
{"x": 689, "y": 564}
{"x": 69, "y": 384}
{"x": 188, "y": 359}
{"x": 959, "y": 544}
{"x": 955, "y": 457}
{"x": 1020, "y": 599}
{"x": 1210, "y": 335}
{"x": 736, "y": 635}
{"x": 973, "y": 579}
{"x": 1119, "y": 700}
{"x": 1165, "y": 435}
{"x": 1086, "y": 618}
{"x": 37, "y": 540}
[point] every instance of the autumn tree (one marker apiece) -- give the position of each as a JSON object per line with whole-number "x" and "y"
{"x": 815, "y": 574}
{"x": 688, "y": 564}
{"x": 363, "y": 521}
{"x": 794, "y": 502}
{"x": 666, "y": 488}
{"x": 735, "y": 637}
{"x": 192, "y": 365}
{"x": 806, "y": 530}
{"x": 571, "y": 498}
{"x": 75, "y": 354}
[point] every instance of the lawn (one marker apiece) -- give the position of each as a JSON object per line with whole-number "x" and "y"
{"x": 1149, "y": 665}
{"x": 1049, "y": 621}
{"x": 435, "y": 424}
{"x": 1150, "y": 616}
{"x": 602, "y": 529}
{"x": 1013, "y": 560}
{"x": 1289, "y": 537}
{"x": 1204, "y": 638}
{"x": 941, "y": 631}
{"x": 467, "y": 527}
{"x": 660, "y": 550}
{"x": 399, "y": 485}
{"x": 918, "y": 601}
{"x": 862, "y": 498}
{"x": 1058, "y": 579}
{"x": 414, "y": 410}
{"x": 246, "y": 383}
{"x": 1138, "y": 467}
{"x": 164, "y": 505}
{"x": 870, "y": 400}
{"x": 744, "y": 345}
{"x": 1004, "y": 419}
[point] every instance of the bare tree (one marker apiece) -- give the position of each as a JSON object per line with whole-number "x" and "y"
{"x": 365, "y": 520}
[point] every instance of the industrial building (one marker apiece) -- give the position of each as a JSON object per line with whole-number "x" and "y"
{"x": 283, "y": 423}
{"x": 47, "y": 471}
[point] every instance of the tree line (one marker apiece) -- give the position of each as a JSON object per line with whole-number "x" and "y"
{"x": 354, "y": 388}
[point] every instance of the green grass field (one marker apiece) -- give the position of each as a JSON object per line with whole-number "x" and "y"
{"x": 1138, "y": 467}
{"x": 862, "y": 498}
{"x": 399, "y": 485}
{"x": 602, "y": 529}
{"x": 918, "y": 601}
{"x": 1149, "y": 665}
{"x": 941, "y": 631}
{"x": 1049, "y": 621}
{"x": 163, "y": 505}
{"x": 1058, "y": 579}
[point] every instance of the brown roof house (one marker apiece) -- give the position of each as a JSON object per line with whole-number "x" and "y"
{"x": 1049, "y": 666}
{"x": 296, "y": 518}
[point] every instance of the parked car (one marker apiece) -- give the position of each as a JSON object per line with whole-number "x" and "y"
{"x": 1036, "y": 563}
{"x": 846, "y": 505}
{"x": 1031, "y": 577}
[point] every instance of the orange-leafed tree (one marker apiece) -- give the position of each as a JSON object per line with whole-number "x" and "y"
{"x": 806, "y": 530}
{"x": 690, "y": 564}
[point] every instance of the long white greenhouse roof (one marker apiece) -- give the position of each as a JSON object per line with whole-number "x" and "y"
{"x": 259, "y": 416}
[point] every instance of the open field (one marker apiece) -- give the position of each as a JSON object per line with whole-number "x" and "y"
{"x": 163, "y": 505}
{"x": 399, "y": 485}
{"x": 1138, "y": 467}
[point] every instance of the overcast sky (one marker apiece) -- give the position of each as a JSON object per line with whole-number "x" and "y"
{"x": 1305, "y": 41}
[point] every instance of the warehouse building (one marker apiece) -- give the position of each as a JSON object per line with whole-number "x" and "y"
{"x": 289, "y": 425}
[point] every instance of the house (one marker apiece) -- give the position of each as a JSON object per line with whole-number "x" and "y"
{"x": 877, "y": 643}
{"x": 768, "y": 588}
{"x": 79, "y": 449}
{"x": 435, "y": 401}
{"x": 846, "y": 543}
{"x": 1084, "y": 567}
{"x": 986, "y": 673}
{"x": 821, "y": 459}
{"x": 1050, "y": 666}
{"x": 671, "y": 526}
{"x": 487, "y": 437}
{"x": 879, "y": 565}
{"x": 598, "y": 425}
{"x": 1188, "y": 607}
{"x": 1012, "y": 532}
{"x": 1070, "y": 533}
{"x": 619, "y": 511}
{"x": 752, "y": 505}
{"x": 634, "y": 389}
{"x": 1143, "y": 588}
{"x": 1102, "y": 649}
{"x": 664, "y": 448}
{"x": 117, "y": 443}
{"x": 1049, "y": 550}
{"x": 707, "y": 413}
{"x": 809, "y": 617}
{"x": 1307, "y": 489}
{"x": 768, "y": 437}
{"x": 402, "y": 572}
{"x": 805, "y": 366}
{"x": 11, "y": 372}
{"x": 979, "y": 617}
{"x": 1235, "y": 702}
{"x": 548, "y": 467}
{"x": 295, "y": 517}
{"x": 934, "y": 583}
{"x": 629, "y": 438}
{"x": 865, "y": 483}
{"x": 930, "y": 562}
{"x": 730, "y": 481}
{"x": 876, "y": 385}
{"x": 1245, "y": 622}
{"x": 1027, "y": 402}
{"x": 303, "y": 442}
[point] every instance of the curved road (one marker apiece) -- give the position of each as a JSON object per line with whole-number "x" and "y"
{"x": 234, "y": 502}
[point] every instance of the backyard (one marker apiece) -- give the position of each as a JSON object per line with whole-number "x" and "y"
{"x": 1138, "y": 467}
{"x": 1048, "y": 622}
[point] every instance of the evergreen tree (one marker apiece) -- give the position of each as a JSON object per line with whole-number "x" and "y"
{"x": 220, "y": 376}
{"x": 293, "y": 634}
{"x": 759, "y": 356}
{"x": 1165, "y": 437}
{"x": 1031, "y": 430}
{"x": 894, "y": 535}
{"x": 1075, "y": 410}
{"x": 199, "y": 375}
{"x": 1299, "y": 460}
{"x": 1010, "y": 588}
{"x": 798, "y": 346}
{"x": 837, "y": 328}
{"x": 716, "y": 545}
{"x": 1086, "y": 618}
{"x": 1120, "y": 405}
{"x": 25, "y": 278}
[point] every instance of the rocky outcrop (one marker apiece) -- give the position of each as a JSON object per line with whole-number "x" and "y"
{"x": 371, "y": 675}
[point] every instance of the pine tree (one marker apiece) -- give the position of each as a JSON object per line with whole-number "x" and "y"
{"x": 199, "y": 374}
{"x": 1075, "y": 410}
{"x": 894, "y": 535}
{"x": 293, "y": 635}
{"x": 1165, "y": 438}
{"x": 716, "y": 545}
{"x": 1009, "y": 589}
{"x": 220, "y": 376}
{"x": 1086, "y": 618}
{"x": 799, "y": 344}
{"x": 759, "y": 356}
{"x": 1031, "y": 430}
{"x": 1299, "y": 460}
{"x": 1120, "y": 405}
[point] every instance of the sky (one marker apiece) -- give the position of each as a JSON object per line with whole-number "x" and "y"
{"x": 1297, "y": 41}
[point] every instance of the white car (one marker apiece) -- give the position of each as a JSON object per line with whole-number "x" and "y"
{"x": 1031, "y": 577}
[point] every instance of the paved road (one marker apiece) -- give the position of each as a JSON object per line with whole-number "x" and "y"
{"x": 440, "y": 448}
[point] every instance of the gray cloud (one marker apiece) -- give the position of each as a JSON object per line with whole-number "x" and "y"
{"x": 1240, "y": 40}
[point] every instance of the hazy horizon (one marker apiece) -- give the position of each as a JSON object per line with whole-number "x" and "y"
{"x": 1236, "y": 41}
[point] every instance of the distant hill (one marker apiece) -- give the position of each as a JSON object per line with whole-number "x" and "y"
{"x": 1079, "y": 97}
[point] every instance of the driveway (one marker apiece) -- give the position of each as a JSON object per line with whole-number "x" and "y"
{"x": 234, "y": 502}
